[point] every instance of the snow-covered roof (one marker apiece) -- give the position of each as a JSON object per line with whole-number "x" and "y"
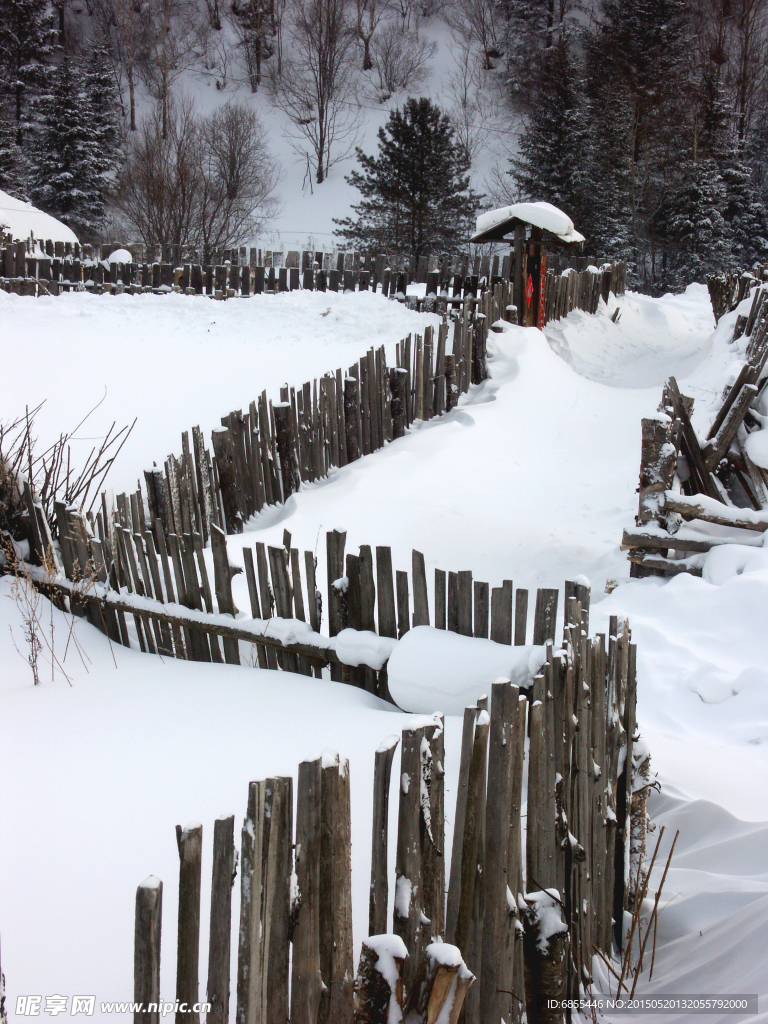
{"x": 23, "y": 219}
{"x": 492, "y": 226}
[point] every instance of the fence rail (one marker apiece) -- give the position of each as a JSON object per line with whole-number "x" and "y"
{"x": 450, "y": 281}
{"x": 523, "y": 907}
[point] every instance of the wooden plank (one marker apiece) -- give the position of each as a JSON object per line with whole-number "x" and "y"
{"x": 253, "y": 595}
{"x": 276, "y": 869}
{"x": 501, "y": 613}
{"x": 498, "y": 925}
{"x": 335, "y": 894}
{"x": 481, "y": 609}
{"x": 545, "y": 616}
{"x": 420, "y": 599}
{"x": 379, "y": 890}
{"x": 403, "y": 603}
{"x": 440, "y": 599}
{"x": 222, "y": 574}
{"x": 521, "y": 616}
{"x": 408, "y": 906}
{"x": 459, "y": 818}
{"x": 464, "y": 603}
{"x": 470, "y": 917}
{"x": 314, "y": 600}
{"x": 367, "y": 589}
{"x": 385, "y": 590}
{"x": 221, "y": 919}
{"x": 306, "y": 980}
{"x": 248, "y": 968}
{"x": 190, "y": 843}
{"x": 433, "y": 864}
{"x": 146, "y": 949}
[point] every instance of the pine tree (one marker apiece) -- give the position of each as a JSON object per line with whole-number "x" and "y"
{"x": 552, "y": 144}
{"x": 637, "y": 64}
{"x": 11, "y": 177}
{"x": 416, "y": 194}
{"x": 67, "y": 178}
{"x": 102, "y": 99}
{"x": 25, "y": 27}
{"x": 697, "y": 228}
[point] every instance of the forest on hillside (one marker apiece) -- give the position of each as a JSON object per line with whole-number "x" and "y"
{"x": 645, "y": 120}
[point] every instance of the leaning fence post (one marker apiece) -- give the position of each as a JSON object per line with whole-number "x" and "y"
{"x": 146, "y": 949}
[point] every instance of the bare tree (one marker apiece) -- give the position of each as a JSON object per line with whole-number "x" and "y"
{"x": 401, "y": 58}
{"x": 254, "y": 24}
{"x": 480, "y": 26}
{"x": 476, "y": 109}
{"x": 369, "y": 14}
{"x": 172, "y": 35}
{"x": 119, "y": 23}
{"x": 206, "y": 182}
{"x": 314, "y": 86}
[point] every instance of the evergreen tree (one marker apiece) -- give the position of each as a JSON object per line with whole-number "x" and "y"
{"x": 67, "y": 178}
{"x": 697, "y": 229}
{"x": 637, "y": 77}
{"x": 103, "y": 104}
{"x": 11, "y": 178}
{"x": 25, "y": 27}
{"x": 416, "y": 194}
{"x": 550, "y": 161}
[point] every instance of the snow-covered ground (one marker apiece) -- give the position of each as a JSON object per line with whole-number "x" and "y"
{"x": 532, "y": 478}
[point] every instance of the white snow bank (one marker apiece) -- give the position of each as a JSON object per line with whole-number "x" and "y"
{"x": 121, "y": 256}
{"x": 757, "y": 447}
{"x": 23, "y": 219}
{"x": 431, "y": 667}
{"x": 542, "y": 215}
{"x": 361, "y": 647}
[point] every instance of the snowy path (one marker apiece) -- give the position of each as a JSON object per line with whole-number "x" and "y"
{"x": 532, "y": 478}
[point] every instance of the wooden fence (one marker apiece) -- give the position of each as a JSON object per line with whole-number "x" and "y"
{"x": 450, "y": 281}
{"x": 574, "y": 862}
{"x": 684, "y": 480}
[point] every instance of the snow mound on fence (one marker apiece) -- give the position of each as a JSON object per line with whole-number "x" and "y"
{"x": 432, "y": 668}
{"x": 24, "y": 219}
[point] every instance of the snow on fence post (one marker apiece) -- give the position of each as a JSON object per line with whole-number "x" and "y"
{"x": 378, "y": 994}
{"x": 190, "y": 844}
{"x": 440, "y": 986}
{"x": 146, "y": 950}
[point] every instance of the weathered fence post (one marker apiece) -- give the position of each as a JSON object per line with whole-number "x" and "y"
{"x": 146, "y": 950}
{"x": 221, "y": 919}
{"x": 379, "y": 894}
{"x": 190, "y": 844}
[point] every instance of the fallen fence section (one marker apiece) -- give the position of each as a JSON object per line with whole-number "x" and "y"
{"x": 685, "y": 481}
{"x": 506, "y": 924}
